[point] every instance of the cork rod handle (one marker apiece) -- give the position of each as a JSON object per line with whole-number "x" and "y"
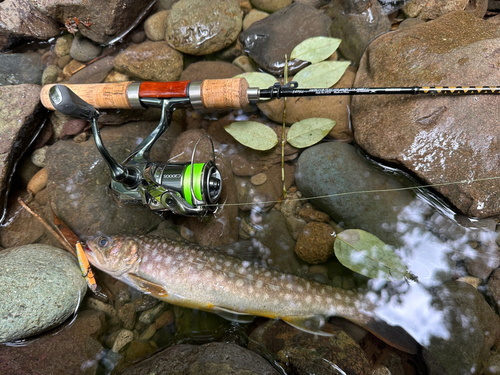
{"x": 224, "y": 93}
{"x": 99, "y": 95}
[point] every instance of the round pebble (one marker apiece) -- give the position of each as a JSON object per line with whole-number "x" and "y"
{"x": 253, "y": 16}
{"x": 84, "y": 50}
{"x": 63, "y": 45}
{"x": 38, "y": 156}
{"x": 123, "y": 338}
{"x": 315, "y": 243}
{"x": 154, "y": 26}
{"x": 245, "y": 63}
{"x": 38, "y": 181}
{"x": 63, "y": 61}
{"x": 258, "y": 179}
{"x": 270, "y": 5}
{"x": 51, "y": 74}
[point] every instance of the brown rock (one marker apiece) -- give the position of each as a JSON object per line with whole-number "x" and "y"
{"x": 209, "y": 70}
{"x": 441, "y": 139}
{"x": 201, "y": 28}
{"x": 308, "y": 213}
{"x": 315, "y": 243}
{"x": 430, "y": 10}
{"x": 153, "y": 61}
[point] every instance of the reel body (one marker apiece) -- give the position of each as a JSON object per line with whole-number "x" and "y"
{"x": 188, "y": 189}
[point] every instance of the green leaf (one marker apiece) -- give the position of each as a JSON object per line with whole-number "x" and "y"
{"x": 307, "y": 132}
{"x": 257, "y": 79}
{"x": 253, "y": 134}
{"x": 321, "y": 75}
{"x": 364, "y": 253}
{"x": 315, "y": 49}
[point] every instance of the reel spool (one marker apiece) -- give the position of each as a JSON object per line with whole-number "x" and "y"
{"x": 188, "y": 189}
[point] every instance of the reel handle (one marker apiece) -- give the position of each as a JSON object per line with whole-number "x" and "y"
{"x": 232, "y": 93}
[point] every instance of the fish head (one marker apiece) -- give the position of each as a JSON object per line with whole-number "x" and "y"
{"x": 114, "y": 255}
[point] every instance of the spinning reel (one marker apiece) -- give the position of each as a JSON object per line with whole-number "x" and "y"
{"x": 183, "y": 188}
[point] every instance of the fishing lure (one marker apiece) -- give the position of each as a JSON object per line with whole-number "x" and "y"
{"x": 86, "y": 269}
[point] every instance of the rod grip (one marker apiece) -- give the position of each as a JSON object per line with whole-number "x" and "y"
{"x": 99, "y": 95}
{"x": 224, "y": 93}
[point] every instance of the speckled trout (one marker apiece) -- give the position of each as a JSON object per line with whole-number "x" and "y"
{"x": 197, "y": 277}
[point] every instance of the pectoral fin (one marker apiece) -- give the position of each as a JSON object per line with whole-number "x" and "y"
{"x": 147, "y": 286}
{"x": 231, "y": 315}
{"x": 310, "y": 324}
{"x": 395, "y": 336}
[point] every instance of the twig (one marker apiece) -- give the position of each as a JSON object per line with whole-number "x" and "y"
{"x": 59, "y": 237}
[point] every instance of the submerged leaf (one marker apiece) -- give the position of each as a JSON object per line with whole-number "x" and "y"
{"x": 321, "y": 75}
{"x": 253, "y": 134}
{"x": 307, "y": 132}
{"x": 257, "y": 79}
{"x": 315, "y": 49}
{"x": 364, "y": 253}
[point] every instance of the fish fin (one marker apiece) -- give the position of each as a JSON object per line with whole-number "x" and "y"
{"x": 394, "y": 336}
{"x": 311, "y": 324}
{"x": 231, "y": 315}
{"x": 147, "y": 286}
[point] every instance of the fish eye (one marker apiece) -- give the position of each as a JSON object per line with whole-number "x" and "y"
{"x": 103, "y": 241}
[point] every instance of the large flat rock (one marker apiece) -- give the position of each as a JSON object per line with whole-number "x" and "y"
{"x": 442, "y": 139}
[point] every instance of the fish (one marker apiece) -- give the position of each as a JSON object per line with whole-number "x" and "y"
{"x": 193, "y": 276}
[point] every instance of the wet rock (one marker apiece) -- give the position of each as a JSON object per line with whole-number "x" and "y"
{"x": 337, "y": 167}
{"x": 115, "y": 77}
{"x": 63, "y": 44}
{"x": 123, "y": 337}
{"x": 268, "y": 40}
{"x": 253, "y": 16}
{"x": 20, "y": 20}
{"x": 17, "y": 68}
{"x": 17, "y": 221}
{"x": 38, "y": 182}
{"x": 308, "y": 213}
{"x": 79, "y": 186}
{"x": 430, "y": 10}
{"x": 93, "y": 73}
{"x": 357, "y": 23}
{"x": 51, "y": 74}
{"x": 209, "y": 70}
{"x": 21, "y": 117}
{"x": 213, "y": 358}
{"x": 221, "y": 227}
{"x": 302, "y": 353}
{"x": 30, "y": 305}
{"x": 109, "y": 20}
{"x": 73, "y": 127}
{"x": 278, "y": 248}
{"x": 75, "y": 349}
{"x": 245, "y": 63}
{"x": 155, "y": 26}
{"x": 434, "y": 132}
{"x": 150, "y": 61}
{"x": 83, "y": 50}
{"x": 466, "y": 347}
{"x": 38, "y": 156}
{"x": 315, "y": 243}
{"x": 264, "y": 196}
{"x": 200, "y": 28}
{"x": 313, "y": 3}
{"x": 127, "y": 315}
{"x": 483, "y": 260}
{"x": 336, "y": 108}
{"x": 133, "y": 352}
{"x": 149, "y": 316}
{"x": 258, "y": 179}
{"x": 63, "y": 61}
{"x": 270, "y": 5}
{"x": 138, "y": 36}
{"x": 494, "y": 286}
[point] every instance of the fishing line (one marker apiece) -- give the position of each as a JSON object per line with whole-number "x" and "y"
{"x": 367, "y": 191}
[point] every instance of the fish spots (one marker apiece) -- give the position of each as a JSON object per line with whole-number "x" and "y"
{"x": 250, "y": 277}
{"x": 209, "y": 273}
{"x": 329, "y": 300}
{"x": 231, "y": 275}
{"x": 218, "y": 267}
{"x": 289, "y": 286}
{"x": 199, "y": 266}
{"x": 211, "y": 259}
{"x": 220, "y": 278}
{"x": 338, "y": 296}
{"x": 180, "y": 257}
{"x": 287, "y": 297}
{"x": 317, "y": 298}
{"x": 267, "y": 274}
{"x": 250, "y": 289}
{"x": 227, "y": 263}
{"x": 190, "y": 258}
{"x": 240, "y": 282}
{"x": 308, "y": 299}
{"x": 274, "y": 288}
{"x": 300, "y": 289}
{"x": 266, "y": 296}
{"x": 158, "y": 258}
{"x": 242, "y": 270}
{"x": 168, "y": 259}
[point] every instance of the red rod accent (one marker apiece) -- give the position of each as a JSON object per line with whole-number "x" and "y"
{"x": 163, "y": 89}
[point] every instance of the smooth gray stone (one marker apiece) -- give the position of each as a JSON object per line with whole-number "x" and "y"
{"x": 41, "y": 287}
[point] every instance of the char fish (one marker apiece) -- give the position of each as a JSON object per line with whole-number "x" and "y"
{"x": 197, "y": 277}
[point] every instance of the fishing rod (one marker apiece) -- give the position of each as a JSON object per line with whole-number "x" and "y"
{"x": 188, "y": 188}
